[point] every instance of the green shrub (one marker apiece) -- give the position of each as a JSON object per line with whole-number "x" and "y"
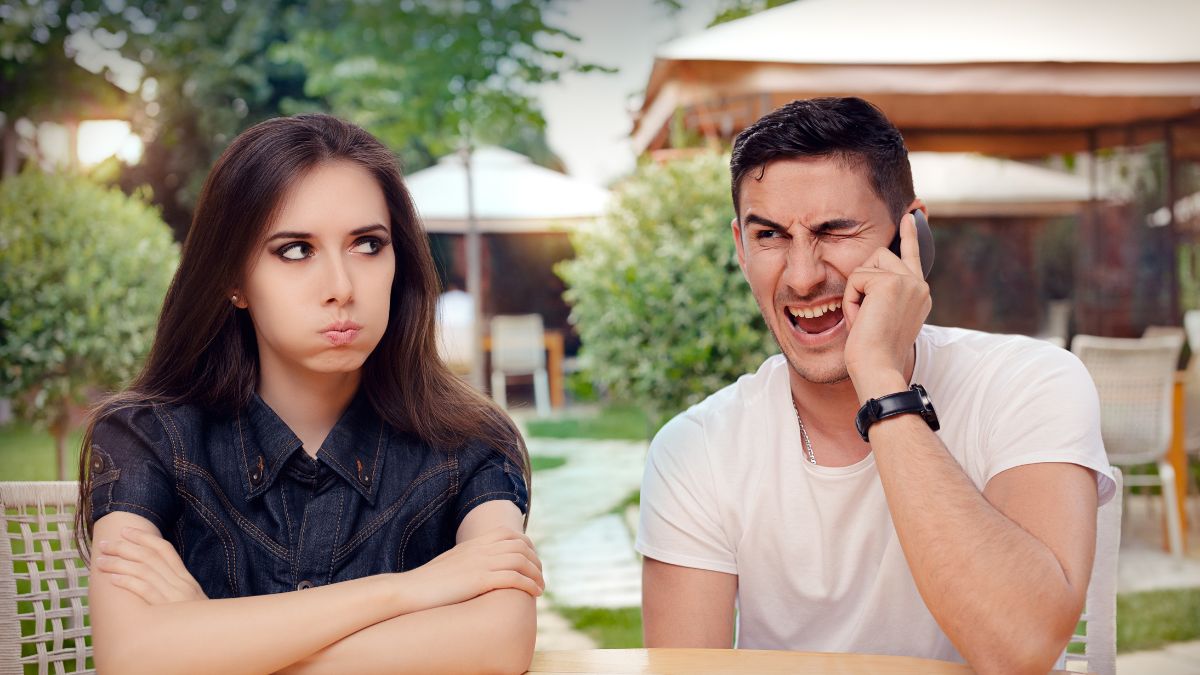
{"x": 83, "y": 270}
{"x": 662, "y": 309}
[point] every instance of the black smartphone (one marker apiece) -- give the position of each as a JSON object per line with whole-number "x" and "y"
{"x": 924, "y": 242}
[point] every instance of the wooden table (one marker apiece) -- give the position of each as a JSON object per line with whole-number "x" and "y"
{"x": 1177, "y": 456}
{"x": 670, "y": 661}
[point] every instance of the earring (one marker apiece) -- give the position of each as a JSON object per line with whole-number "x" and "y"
{"x": 233, "y": 299}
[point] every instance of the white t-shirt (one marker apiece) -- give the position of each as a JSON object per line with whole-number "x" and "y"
{"x": 819, "y": 565}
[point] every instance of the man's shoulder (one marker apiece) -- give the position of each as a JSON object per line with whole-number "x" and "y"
{"x": 967, "y": 348}
{"x": 725, "y": 410}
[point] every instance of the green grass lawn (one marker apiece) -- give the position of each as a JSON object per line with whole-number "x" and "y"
{"x": 615, "y": 422}
{"x": 1146, "y": 620}
{"x": 28, "y": 454}
{"x": 610, "y": 628}
{"x": 1151, "y": 619}
{"x": 545, "y": 462}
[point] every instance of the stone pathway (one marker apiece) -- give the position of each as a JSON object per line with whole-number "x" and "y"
{"x": 586, "y": 548}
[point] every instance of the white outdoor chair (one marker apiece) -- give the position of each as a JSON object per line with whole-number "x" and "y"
{"x": 43, "y": 582}
{"x": 1057, "y": 324}
{"x": 1098, "y": 634}
{"x": 1135, "y": 379}
{"x": 519, "y": 348}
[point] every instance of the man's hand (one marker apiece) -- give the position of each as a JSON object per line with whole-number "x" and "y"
{"x": 885, "y": 304}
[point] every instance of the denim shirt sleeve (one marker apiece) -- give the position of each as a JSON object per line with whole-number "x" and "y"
{"x": 486, "y": 475}
{"x": 130, "y": 467}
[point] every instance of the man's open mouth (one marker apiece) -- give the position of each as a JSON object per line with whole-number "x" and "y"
{"x": 815, "y": 319}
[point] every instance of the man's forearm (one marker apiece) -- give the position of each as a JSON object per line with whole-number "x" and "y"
{"x": 493, "y": 633}
{"x": 997, "y": 591}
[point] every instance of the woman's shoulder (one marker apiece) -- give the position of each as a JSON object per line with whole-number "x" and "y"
{"x": 129, "y": 425}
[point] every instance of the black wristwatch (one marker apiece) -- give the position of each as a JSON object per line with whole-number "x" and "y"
{"x": 915, "y": 400}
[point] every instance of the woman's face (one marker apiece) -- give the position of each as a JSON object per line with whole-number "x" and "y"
{"x": 319, "y": 287}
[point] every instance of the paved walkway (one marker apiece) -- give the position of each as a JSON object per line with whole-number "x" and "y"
{"x": 586, "y": 547}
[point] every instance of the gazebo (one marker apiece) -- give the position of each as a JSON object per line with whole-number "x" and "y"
{"x": 1020, "y": 79}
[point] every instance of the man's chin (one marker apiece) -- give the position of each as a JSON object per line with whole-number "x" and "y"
{"x": 823, "y": 366}
{"x": 814, "y": 375}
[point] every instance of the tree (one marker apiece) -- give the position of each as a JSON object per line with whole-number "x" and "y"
{"x": 662, "y": 309}
{"x": 416, "y": 73}
{"x": 40, "y": 75}
{"x": 423, "y": 74}
{"x": 732, "y": 10}
{"x": 84, "y": 270}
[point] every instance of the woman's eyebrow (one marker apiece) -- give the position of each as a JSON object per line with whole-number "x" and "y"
{"x": 293, "y": 234}
{"x": 368, "y": 228}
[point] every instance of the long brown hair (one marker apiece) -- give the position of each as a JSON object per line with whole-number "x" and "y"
{"x": 205, "y": 350}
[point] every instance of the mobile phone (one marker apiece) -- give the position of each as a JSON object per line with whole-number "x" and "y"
{"x": 924, "y": 242}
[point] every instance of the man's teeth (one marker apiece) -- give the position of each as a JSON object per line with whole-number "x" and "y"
{"x": 814, "y": 312}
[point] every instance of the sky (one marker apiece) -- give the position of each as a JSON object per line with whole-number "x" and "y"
{"x": 588, "y": 116}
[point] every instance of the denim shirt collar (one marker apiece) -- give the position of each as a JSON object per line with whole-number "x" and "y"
{"x": 353, "y": 449}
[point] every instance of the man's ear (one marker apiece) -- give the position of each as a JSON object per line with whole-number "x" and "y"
{"x": 916, "y": 204}
{"x": 736, "y": 229}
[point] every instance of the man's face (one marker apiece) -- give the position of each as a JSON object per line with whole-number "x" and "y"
{"x": 801, "y": 230}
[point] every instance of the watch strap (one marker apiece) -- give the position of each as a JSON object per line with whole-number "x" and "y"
{"x": 914, "y": 400}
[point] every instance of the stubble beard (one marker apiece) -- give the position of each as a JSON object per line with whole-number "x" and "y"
{"x": 833, "y": 375}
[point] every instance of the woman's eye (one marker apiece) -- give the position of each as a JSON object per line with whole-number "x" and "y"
{"x": 369, "y": 246}
{"x": 294, "y": 251}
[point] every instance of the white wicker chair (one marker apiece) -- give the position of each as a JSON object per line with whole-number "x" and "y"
{"x": 43, "y": 582}
{"x": 1135, "y": 379}
{"x": 1098, "y": 633}
{"x": 519, "y": 348}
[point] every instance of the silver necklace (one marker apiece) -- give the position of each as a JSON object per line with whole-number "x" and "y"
{"x": 812, "y": 459}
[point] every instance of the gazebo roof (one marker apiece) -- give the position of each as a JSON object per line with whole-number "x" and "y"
{"x": 1021, "y": 77}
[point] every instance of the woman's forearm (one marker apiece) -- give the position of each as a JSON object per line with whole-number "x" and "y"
{"x": 258, "y": 634}
{"x": 493, "y": 633}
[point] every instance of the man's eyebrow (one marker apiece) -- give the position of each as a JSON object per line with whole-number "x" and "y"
{"x": 293, "y": 234}
{"x": 753, "y": 219}
{"x": 836, "y": 224}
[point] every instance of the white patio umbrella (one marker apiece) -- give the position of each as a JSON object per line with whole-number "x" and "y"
{"x": 512, "y": 194}
{"x": 494, "y": 190}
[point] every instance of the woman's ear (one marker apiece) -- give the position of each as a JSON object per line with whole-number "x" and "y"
{"x": 238, "y": 299}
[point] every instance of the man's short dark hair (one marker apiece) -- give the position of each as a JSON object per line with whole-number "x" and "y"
{"x": 849, "y": 129}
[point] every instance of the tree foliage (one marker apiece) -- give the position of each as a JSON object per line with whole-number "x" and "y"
{"x": 418, "y": 73}
{"x": 84, "y": 270}
{"x": 421, "y": 74}
{"x": 662, "y": 309}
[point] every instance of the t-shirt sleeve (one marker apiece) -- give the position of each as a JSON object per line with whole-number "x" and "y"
{"x": 679, "y": 520}
{"x": 487, "y": 474}
{"x": 1046, "y": 409}
{"x": 130, "y": 467}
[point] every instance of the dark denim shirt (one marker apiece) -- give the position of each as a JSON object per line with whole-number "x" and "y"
{"x": 251, "y": 513}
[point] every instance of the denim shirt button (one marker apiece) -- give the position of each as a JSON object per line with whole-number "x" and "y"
{"x": 304, "y": 584}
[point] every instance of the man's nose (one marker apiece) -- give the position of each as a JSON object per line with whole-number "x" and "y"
{"x": 806, "y": 269}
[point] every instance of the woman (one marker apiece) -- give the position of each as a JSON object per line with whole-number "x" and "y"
{"x": 295, "y": 481}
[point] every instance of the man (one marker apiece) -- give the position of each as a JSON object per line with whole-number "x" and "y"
{"x": 974, "y": 541}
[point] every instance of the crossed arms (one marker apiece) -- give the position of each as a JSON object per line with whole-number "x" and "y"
{"x": 146, "y": 617}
